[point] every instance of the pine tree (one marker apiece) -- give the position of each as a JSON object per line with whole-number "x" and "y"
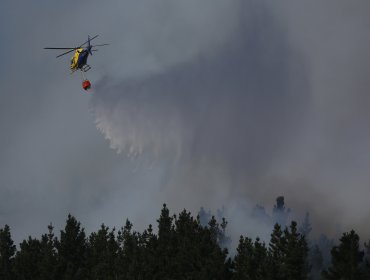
{"x": 280, "y": 214}
{"x": 7, "y": 251}
{"x": 243, "y": 259}
{"x": 314, "y": 260}
{"x": 187, "y": 258}
{"x": 165, "y": 226}
{"x": 147, "y": 248}
{"x": 287, "y": 254}
{"x": 251, "y": 260}
{"x": 367, "y": 261}
{"x": 214, "y": 229}
{"x": 48, "y": 258}
{"x": 346, "y": 259}
{"x": 224, "y": 241}
{"x": 102, "y": 254}
{"x": 186, "y": 250}
{"x": 72, "y": 251}
{"x": 130, "y": 254}
{"x": 128, "y": 266}
{"x": 260, "y": 260}
{"x": 165, "y": 251}
{"x": 276, "y": 252}
{"x": 211, "y": 258}
{"x": 295, "y": 261}
{"x": 26, "y": 262}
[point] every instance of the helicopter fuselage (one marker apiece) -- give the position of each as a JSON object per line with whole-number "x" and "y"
{"x": 79, "y": 59}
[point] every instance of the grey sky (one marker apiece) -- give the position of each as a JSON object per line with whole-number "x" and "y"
{"x": 206, "y": 102}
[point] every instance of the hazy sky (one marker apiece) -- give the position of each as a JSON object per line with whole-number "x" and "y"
{"x": 194, "y": 103}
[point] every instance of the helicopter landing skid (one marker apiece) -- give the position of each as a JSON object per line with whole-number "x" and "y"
{"x": 85, "y": 68}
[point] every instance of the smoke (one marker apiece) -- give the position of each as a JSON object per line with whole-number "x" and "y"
{"x": 207, "y": 103}
{"x": 277, "y": 106}
{"x": 215, "y": 122}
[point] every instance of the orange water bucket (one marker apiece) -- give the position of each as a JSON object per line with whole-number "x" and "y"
{"x": 86, "y": 84}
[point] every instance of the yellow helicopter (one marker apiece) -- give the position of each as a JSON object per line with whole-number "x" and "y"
{"x": 79, "y": 58}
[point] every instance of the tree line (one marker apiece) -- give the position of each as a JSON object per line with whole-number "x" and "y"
{"x": 182, "y": 247}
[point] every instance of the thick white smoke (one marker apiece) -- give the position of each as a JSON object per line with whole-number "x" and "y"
{"x": 273, "y": 103}
{"x": 215, "y": 122}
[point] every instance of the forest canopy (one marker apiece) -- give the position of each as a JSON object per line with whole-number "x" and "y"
{"x": 181, "y": 246}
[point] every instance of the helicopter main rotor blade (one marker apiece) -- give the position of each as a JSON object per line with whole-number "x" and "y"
{"x": 59, "y": 48}
{"x": 72, "y": 49}
{"x": 89, "y": 40}
{"x": 65, "y": 53}
{"x": 100, "y": 45}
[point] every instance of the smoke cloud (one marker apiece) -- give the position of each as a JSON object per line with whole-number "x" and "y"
{"x": 204, "y": 103}
{"x": 277, "y": 106}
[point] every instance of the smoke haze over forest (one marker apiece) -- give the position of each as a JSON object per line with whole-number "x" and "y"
{"x": 202, "y": 103}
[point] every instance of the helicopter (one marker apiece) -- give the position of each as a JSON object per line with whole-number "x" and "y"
{"x": 79, "y": 58}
